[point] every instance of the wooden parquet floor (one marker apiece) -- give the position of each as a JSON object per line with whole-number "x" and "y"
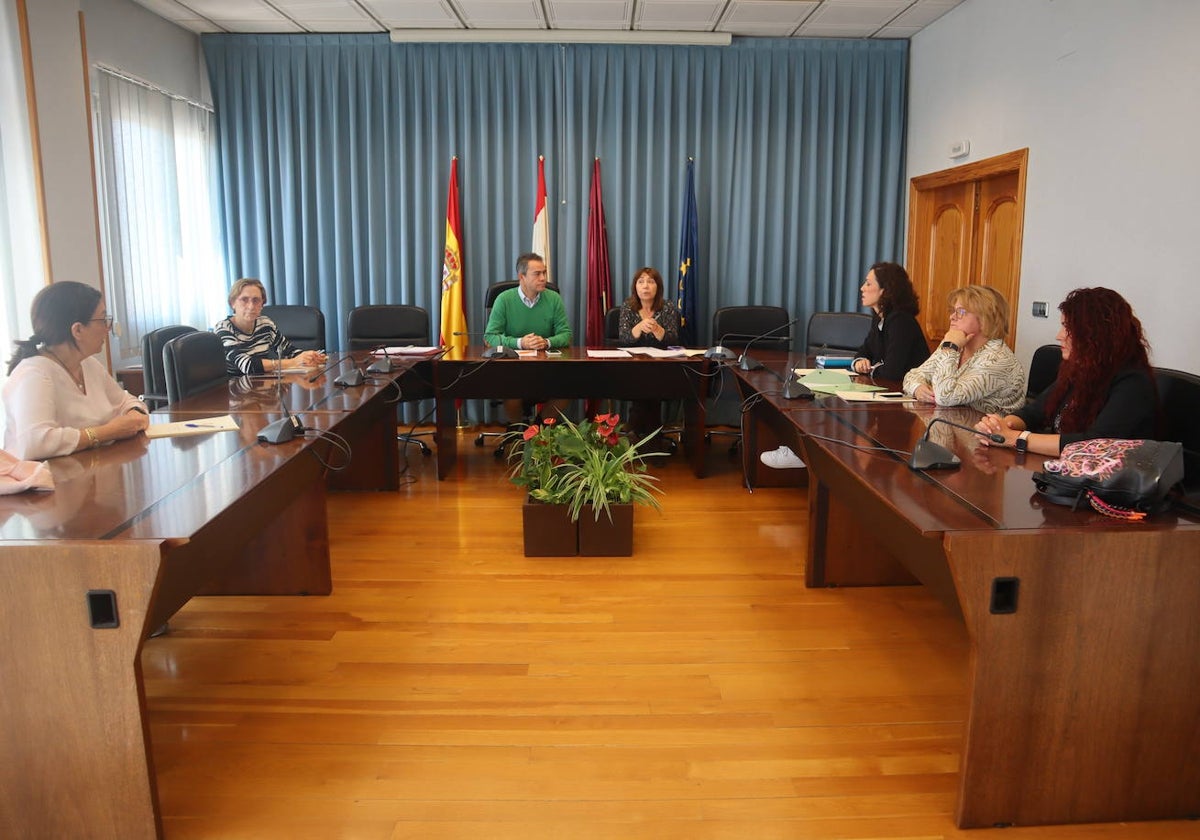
{"x": 452, "y": 688}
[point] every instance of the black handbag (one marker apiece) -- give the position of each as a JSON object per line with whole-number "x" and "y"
{"x": 1125, "y": 479}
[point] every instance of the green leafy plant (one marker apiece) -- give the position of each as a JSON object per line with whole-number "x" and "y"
{"x": 592, "y": 462}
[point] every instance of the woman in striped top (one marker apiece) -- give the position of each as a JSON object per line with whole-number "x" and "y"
{"x": 253, "y": 344}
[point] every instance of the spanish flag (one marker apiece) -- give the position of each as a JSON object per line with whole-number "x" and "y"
{"x": 454, "y": 318}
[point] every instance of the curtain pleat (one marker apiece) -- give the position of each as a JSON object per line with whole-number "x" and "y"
{"x": 335, "y": 153}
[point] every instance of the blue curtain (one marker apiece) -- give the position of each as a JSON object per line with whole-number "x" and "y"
{"x": 335, "y": 153}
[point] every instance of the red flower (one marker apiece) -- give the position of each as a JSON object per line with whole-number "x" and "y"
{"x": 549, "y": 421}
{"x": 602, "y": 418}
{"x": 530, "y": 432}
{"x": 612, "y": 440}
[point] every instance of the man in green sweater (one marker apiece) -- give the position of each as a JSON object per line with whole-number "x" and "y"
{"x": 529, "y": 317}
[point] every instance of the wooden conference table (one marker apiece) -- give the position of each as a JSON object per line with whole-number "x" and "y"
{"x": 1085, "y": 632}
{"x": 465, "y": 374}
{"x": 129, "y": 534}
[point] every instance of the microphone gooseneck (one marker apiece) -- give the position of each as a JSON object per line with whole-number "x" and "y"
{"x": 928, "y": 455}
{"x": 745, "y": 362}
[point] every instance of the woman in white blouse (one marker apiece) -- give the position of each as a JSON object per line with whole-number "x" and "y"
{"x": 59, "y": 398}
{"x": 973, "y": 366}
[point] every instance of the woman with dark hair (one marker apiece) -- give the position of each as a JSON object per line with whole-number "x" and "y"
{"x": 895, "y": 343}
{"x": 647, "y": 320}
{"x": 252, "y": 342}
{"x": 59, "y": 398}
{"x": 1105, "y": 387}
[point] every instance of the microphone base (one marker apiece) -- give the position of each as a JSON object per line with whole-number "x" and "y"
{"x": 928, "y": 455}
{"x": 281, "y": 431}
{"x": 749, "y": 363}
{"x": 719, "y": 353}
{"x": 351, "y": 379}
{"x": 794, "y": 389}
{"x": 500, "y": 353}
{"x": 383, "y": 365}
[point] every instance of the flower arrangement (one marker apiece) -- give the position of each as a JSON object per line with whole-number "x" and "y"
{"x": 592, "y": 462}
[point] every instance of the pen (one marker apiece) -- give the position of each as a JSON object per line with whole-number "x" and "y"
{"x": 199, "y": 425}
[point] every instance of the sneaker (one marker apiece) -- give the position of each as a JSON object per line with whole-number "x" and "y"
{"x": 782, "y": 458}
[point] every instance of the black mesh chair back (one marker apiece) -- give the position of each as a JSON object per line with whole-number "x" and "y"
{"x": 303, "y": 326}
{"x": 153, "y": 373}
{"x": 737, "y": 326}
{"x": 387, "y": 325}
{"x": 395, "y": 325}
{"x": 1043, "y": 369}
{"x": 612, "y": 326}
{"x": 836, "y": 333}
{"x": 493, "y": 291}
{"x": 192, "y": 363}
{"x": 1179, "y": 407}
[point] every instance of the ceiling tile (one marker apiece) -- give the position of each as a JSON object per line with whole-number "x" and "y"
{"x": 589, "y": 14}
{"x": 861, "y": 14}
{"x": 502, "y": 14}
{"x": 331, "y": 11}
{"x": 231, "y": 10}
{"x": 414, "y": 14}
{"x": 924, "y": 12}
{"x": 774, "y": 18}
{"x": 687, "y": 15}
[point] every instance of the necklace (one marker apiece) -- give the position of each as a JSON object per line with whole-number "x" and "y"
{"x": 78, "y": 380}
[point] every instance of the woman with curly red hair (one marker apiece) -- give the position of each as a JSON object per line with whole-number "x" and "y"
{"x": 1105, "y": 387}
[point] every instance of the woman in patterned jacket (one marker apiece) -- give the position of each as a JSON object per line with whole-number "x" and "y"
{"x": 973, "y": 366}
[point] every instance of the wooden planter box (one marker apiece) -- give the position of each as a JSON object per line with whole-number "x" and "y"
{"x": 602, "y": 538}
{"x": 549, "y": 531}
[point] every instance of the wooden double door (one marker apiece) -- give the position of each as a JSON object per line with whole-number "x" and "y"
{"x": 964, "y": 227}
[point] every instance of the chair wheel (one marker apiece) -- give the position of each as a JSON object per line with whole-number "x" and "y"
{"x": 479, "y": 440}
{"x": 498, "y": 453}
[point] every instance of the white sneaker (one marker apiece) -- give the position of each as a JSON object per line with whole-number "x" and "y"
{"x": 782, "y": 458}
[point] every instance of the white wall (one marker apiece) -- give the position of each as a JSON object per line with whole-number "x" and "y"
{"x": 130, "y": 37}
{"x": 1106, "y": 95}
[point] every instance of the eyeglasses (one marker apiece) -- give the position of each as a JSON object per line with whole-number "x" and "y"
{"x": 959, "y": 313}
{"x": 108, "y": 321}
{"x": 250, "y": 301}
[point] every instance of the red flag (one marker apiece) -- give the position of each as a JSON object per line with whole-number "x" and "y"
{"x": 454, "y": 318}
{"x": 599, "y": 281}
{"x": 541, "y": 220}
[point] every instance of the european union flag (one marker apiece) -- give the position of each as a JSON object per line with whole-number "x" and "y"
{"x": 688, "y": 257}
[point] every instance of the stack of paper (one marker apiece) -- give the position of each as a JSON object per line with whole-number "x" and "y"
{"x": 198, "y": 426}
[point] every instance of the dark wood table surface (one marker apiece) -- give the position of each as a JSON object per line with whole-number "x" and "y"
{"x": 465, "y": 374}
{"x": 129, "y": 534}
{"x": 1084, "y": 630}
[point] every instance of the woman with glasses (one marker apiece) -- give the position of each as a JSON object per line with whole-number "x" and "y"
{"x": 253, "y": 344}
{"x": 59, "y": 398}
{"x": 973, "y": 366}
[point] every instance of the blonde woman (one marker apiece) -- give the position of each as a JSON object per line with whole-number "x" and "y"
{"x": 973, "y": 366}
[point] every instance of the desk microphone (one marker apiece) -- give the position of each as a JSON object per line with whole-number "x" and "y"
{"x": 287, "y": 427}
{"x": 928, "y": 455}
{"x": 794, "y": 389}
{"x": 313, "y": 377}
{"x": 497, "y": 352}
{"x": 745, "y": 362}
{"x": 383, "y": 365}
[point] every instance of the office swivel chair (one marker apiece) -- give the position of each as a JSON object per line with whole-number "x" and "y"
{"x": 193, "y": 362}
{"x": 1043, "y": 369}
{"x": 489, "y": 300}
{"x": 303, "y": 326}
{"x": 153, "y": 372}
{"x": 394, "y": 325}
{"x": 730, "y": 325}
{"x": 836, "y": 333}
{"x": 1179, "y": 403}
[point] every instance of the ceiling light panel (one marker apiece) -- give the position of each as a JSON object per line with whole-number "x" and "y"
{"x": 502, "y": 14}
{"x": 689, "y": 15}
{"x": 589, "y": 14}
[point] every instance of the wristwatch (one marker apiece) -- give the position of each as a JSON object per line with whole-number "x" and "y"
{"x": 1022, "y": 442}
{"x": 950, "y": 345}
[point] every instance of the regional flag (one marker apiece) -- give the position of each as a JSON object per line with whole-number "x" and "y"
{"x": 599, "y": 280}
{"x": 541, "y": 221}
{"x": 688, "y": 258}
{"x": 454, "y": 317}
